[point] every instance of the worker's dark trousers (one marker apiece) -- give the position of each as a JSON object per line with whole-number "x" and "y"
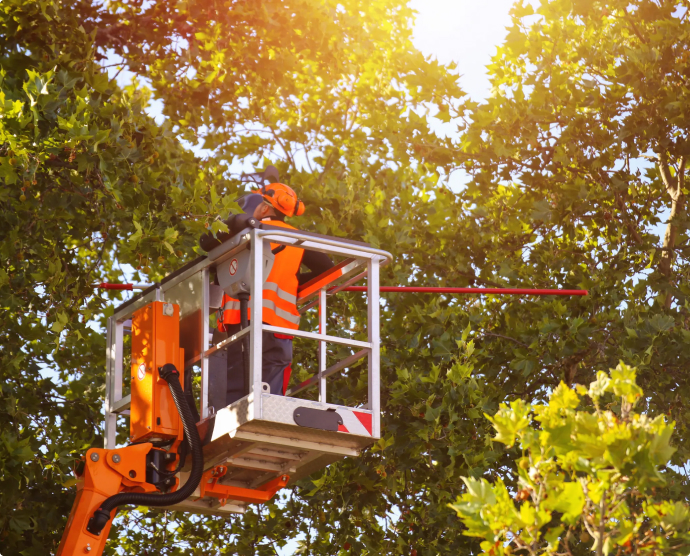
{"x": 228, "y": 387}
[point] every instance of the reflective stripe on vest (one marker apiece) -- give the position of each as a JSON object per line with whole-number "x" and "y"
{"x": 281, "y": 293}
{"x": 267, "y": 304}
{"x": 231, "y": 305}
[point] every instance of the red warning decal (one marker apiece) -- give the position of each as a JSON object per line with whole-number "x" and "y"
{"x": 342, "y": 428}
{"x": 365, "y": 419}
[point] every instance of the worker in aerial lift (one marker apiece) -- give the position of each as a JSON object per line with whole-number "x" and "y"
{"x": 271, "y": 205}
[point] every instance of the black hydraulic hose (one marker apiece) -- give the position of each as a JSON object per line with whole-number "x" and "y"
{"x": 101, "y": 516}
{"x": 189, "y": 396}
{"x": 244, "y": 323}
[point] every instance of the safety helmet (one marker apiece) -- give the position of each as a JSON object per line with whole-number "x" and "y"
{"x": 282, "y": 198}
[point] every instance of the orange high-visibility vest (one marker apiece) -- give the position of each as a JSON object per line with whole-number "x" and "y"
{"x": 279, "y": 293}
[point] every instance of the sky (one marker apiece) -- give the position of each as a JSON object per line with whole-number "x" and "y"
{"x": 463, "y": 31}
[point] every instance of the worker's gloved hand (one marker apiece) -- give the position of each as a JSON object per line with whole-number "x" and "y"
{"x": 235, "y": 223}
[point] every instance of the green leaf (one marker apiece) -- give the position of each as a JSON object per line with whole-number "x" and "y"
{"x": 623, "y": 383}
{"x": 99, "y": 81}
{"x": 570, "y": 501}
{"x": 218, "y": 226}
{"x": 135, "y": 238}
{"x": 510, "y": 421}
{"x": 100, "y": 137}
{"x": 564, "y": 398}
{"x": 632, "y": 333}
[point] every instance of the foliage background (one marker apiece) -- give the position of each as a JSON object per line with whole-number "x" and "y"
{"x": 573, "y": 164}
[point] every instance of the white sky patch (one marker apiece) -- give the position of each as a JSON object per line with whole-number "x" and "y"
{"x": 464, "y": 32}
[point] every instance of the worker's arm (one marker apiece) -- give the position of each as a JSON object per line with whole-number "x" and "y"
{"x": 316, "y": 262}
{"x": 235, "y": 223}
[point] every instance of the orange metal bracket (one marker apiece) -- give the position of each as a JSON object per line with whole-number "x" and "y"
{"x": 210, "y": 486}
{"x": 323, "y": 279}
{"x": 106, "y": 472}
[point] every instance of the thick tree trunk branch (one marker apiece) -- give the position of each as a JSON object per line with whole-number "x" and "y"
{"x": 665, "y": 172}
{"x": 674, "y": 186}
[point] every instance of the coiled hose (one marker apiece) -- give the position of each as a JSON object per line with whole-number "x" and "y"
{"x": 102, "y": 515}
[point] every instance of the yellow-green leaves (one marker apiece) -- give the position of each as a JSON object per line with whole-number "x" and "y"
{"x": 463, "y": 365}
{"x": 599, "y": 387}
{"x": 623, "y": 383}
{"x": 480, "y": 504}
{"x": 671, "y": 516}
{"x": 563, "y": 397}
{"x": 569, "y": 499}
{"x": 511, "y": 421}
{"x": 592, "y": 469}
{"x": 479, "y": 493}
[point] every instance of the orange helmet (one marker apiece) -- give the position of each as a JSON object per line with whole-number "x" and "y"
{"x": 282, "y": 198}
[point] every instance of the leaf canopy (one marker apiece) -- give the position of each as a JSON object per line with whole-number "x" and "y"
{"x": 575, "y": 170}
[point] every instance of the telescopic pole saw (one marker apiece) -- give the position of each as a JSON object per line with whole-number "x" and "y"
{"x": 407, "y": 289}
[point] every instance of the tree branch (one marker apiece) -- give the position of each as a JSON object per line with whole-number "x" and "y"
{"x": 664, "y": 170}
{"x": 505, "y": 338}
{"x": 675, "y": 190}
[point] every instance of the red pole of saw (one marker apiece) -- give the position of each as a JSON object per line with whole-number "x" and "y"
{"x": 109, "y": 286}
{"x": 403, "y": 289}
{"x": 499, "y": 291}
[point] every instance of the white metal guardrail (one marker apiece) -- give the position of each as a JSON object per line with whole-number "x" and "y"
{"x": 189, "y": 287}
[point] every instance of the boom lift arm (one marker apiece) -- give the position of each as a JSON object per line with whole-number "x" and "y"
{"x": 138, "y": 474}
